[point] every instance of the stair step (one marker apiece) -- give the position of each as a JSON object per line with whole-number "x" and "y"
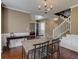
{"x": 71, "y": 35}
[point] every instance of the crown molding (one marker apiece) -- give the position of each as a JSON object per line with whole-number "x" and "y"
{"x": 74, "y": 6}
{"x": 17, "y": 10}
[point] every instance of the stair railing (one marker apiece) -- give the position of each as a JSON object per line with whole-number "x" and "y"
{"x": 62, "y": 28}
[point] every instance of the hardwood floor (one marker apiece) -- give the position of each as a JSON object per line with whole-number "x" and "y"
{"x": 68, "y": 54}
{"x": 16, "y": 53}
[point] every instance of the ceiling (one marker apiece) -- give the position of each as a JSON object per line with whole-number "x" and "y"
{"x": 31, "y": 6}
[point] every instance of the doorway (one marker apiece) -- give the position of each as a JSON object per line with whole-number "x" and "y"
{"x": 40, "y": 31}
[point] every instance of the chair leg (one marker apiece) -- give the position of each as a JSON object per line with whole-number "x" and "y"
{"x": 58, "y": 55}
{"x": 48, "y": 57}
{"x": 52, "y": 56}
{"x": 27, "y": 56}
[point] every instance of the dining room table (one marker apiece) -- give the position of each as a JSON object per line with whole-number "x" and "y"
{"x": 27, "y": 45}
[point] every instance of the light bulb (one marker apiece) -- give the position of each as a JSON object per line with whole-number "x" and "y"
{"x": 48, "y": 9}
{"x": 39, "y": 7}
{"x": 45, "y": 4}
{"x": 51, "y": 6}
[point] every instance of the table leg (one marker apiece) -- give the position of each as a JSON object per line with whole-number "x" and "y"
{"x": 8, "y": 43}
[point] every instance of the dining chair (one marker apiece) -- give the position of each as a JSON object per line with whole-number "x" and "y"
{"x": 54, "y": 48}
{"x": 40, "y": 51}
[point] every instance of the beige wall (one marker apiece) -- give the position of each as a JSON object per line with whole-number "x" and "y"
{"x": 14, "y": 21}
{"x": 2, "y": 19}
{"x": 74, "y": 20}
{"x": 50, "y": 25}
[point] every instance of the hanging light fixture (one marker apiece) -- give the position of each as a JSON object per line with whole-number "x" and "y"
{"x": 45, "y": 5}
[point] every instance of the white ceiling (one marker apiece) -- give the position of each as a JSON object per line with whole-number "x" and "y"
{"x": 31, "y": 6}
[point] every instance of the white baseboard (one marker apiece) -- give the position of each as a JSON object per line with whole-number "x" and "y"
{"x": 13, "y": 43}
{"x": 70, "y": 42}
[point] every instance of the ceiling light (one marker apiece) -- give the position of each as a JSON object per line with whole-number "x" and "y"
{"x": 45, "y": 5}
{"x": 38, "y": 17}
{"x": 55, "y": 19}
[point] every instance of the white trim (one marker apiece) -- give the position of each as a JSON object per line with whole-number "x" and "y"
{"x": 70, "y": 24}
{"x": 16, "y": 9}
{"x": 53, "y": 33}
{"x": 74, "y": 6}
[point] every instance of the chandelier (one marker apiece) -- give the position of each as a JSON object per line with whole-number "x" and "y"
{"x": 45, "y": 5}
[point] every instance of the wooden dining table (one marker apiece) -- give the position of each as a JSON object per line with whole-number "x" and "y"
{"x": 28, "y": 44}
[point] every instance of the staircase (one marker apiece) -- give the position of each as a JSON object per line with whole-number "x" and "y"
{"x": 62, "y": 28}
{"x": 69, "y": 41}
